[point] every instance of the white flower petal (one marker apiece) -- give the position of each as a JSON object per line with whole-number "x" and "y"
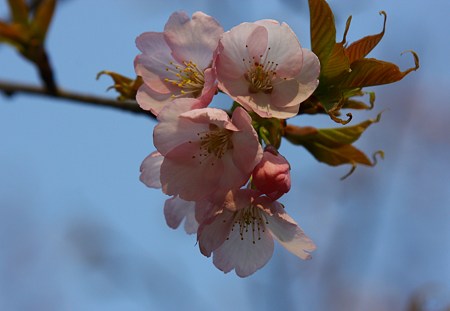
{"x": 148, "y": 99}
{"x": 285, "y": 49}
{"x": 309, "y": 75}
{"x": 150, "y": 170}
{"x": 286, "y": 231}
{"x": 244, "y": 255}
{"x": 212, "y": 233}
{"x": 176, "y": 209}
{"x": 193, "y": 39}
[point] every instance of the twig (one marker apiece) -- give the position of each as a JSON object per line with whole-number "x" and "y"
{"x": 11, "y": 89}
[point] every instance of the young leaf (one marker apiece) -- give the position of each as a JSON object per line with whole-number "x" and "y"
{"x": 362, "y": 47}
{"x": 323, "y": 31}
{"x": 338, "y": 62}
{"x": 344, "y": 69}
{"x": 332, "y": 146}
{"x": 356, "y": 104}
{"x": 370, "y": 71}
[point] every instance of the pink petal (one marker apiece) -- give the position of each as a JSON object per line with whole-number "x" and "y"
{"x": 148, "y": 99}
{"x": 191, "y": 178}
{"x": 285, "y": 49}
{"x": 245, "y": 159}
{"x": 258, "y": 102}
{"x": 286, "y": 231}
{"x": 286, "y": 94}
{"x": 233, "y": 50}
{"x": 193, "y": 40}
{"x": 150, "y": 170}
{"x": 212, "y": 234}
{"x": 176, "y": 209}
{"x": 152, "y": 64}
{"x": 309, "y": 75}
{"x": 244, "y": 255}
{"x": 242, "y": 198}
{"x": 233, "y": 177}
{"x": 173, "y": 130}
{"x": 209, "y": 88}
{"x": 256, "y": 44}
{"x": 206, "y": 210}
{"x": 209, "y": 116}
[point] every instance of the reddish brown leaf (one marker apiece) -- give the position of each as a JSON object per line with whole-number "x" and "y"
{"x": 332, "y": 146}
{"x": 369, "y": 71}
{"x": 337, "y": 64}
{"x": 362, "y": 47}
{"x": 323, "y": 31}
{"x": 356, "y": 104}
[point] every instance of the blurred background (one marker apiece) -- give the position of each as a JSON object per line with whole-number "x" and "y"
{"x": 78, "y": 231}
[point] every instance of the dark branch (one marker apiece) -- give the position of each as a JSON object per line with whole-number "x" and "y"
{"x": 11, "y": 89}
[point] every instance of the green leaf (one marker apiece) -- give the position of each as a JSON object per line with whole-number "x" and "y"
{"x": 333, "y": 146}
{"x": 362, "y": 47}
{"x": 356, "y": 104}
{"x": 19, "y": 11}
{"x": 323, "y": 31}
{"x": 370, "y": 71}
{"x": 348, "y": 134}
{"x": 126, "y": 87}
{"x": 42, "y": 18}
{"x": 338, "y": 62}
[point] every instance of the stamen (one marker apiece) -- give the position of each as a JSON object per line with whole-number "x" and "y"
{"x": 215, "y": 143}
{"x": 260, "y": 74}
{"x": 250, "y": 218}
{"x": 188, "y": 77}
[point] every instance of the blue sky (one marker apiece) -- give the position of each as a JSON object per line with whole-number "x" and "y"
{"x": 78, "y": 231}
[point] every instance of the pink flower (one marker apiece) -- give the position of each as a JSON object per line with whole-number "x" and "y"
{"x": 262, "y": 66}
{"x": 271, "y": 176}
{"x": 240, "y": 234}
{"x": 178, "y": 62}
{"x": 205, "y": 152}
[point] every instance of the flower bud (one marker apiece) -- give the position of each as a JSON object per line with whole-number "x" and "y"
{"x": 271, "y": 176}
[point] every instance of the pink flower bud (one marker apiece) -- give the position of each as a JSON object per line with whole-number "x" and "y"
{"x": 271, "y": 176}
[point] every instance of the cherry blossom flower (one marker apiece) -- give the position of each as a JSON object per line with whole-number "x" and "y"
{"x": 240, "y": 235}
{"x": 263, "y": 67}
{"x": 178, "y": 62}
{"x": 271, "y": 176}
{"x": 204, "y": 152}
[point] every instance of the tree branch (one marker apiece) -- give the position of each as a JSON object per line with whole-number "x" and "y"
{"x": 11, "y": 89}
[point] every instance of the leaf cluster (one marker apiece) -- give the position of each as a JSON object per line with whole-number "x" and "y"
{"x": 345, "y": 71}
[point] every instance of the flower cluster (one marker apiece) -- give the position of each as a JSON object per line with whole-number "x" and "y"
{"x": 223, "y": 176}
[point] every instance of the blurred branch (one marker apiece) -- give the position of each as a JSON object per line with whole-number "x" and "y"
{"x": 11, "y": 89}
